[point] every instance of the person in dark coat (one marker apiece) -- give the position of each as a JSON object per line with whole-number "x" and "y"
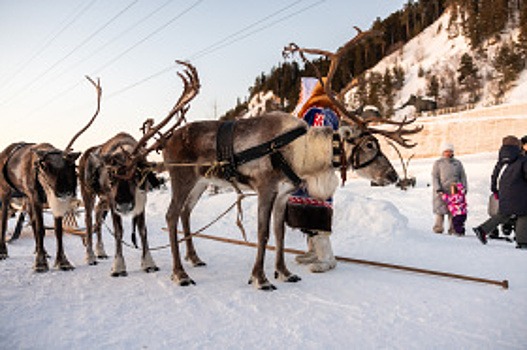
{"x": 509, "y": 185}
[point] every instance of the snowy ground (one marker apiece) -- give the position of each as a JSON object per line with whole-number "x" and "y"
{"x": 351, "y": 307}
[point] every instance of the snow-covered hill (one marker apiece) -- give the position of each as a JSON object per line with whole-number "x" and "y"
{"x": 436, "y": 51}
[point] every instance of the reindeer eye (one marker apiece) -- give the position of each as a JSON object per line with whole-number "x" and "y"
{"x": 369, "y": 145}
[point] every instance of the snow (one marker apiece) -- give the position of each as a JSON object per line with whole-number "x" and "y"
{"x": 352, "y": 307}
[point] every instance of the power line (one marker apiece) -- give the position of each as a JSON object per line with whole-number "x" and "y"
{"x": 228, "y": 43}
{"x": 84, "y": 42}
{"x": 67, "y": 90}
{"x": 160, "y": 28}
{"x": 114, "y": 39}
{"x": 219, "y": 42}
{"x": 77, "y": 14}
{"x": 203, "y": 53}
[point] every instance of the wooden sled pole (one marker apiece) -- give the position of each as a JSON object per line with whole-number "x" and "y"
{"x": 504, "y": 284}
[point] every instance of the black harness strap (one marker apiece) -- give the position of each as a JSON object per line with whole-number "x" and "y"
{"x": 269, "y": 146}
{"x": 225, "y": 152}
{"x": 278, "y": 161}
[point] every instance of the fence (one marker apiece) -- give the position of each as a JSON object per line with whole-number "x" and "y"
{"x": 472, "y": 131}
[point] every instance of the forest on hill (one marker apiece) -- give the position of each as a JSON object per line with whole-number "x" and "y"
{"x": 479, "y": 21}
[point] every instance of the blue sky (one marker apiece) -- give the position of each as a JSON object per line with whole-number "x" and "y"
{"x": 131, "y": 45}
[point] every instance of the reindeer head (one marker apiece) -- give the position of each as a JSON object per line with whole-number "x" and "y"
{"x": 129, "y": 173}
{"x": 361, "y": 147}
{"x": 57, "y": 172}
{"x": 127, "y": 188}
{"x": 363, "y": 154}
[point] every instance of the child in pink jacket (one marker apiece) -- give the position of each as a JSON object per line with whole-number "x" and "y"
{"x": 457, "y": 206}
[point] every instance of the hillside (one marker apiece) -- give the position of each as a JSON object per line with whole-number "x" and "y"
{"x": 437, "y": 53}
{"x": 440, "y": 63}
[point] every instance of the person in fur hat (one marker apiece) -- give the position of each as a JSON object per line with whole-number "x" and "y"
{"x": 312, "y": 216}
{"x": 445, "y": 171}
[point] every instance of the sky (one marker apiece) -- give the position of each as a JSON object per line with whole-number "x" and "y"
{"x": 47, "y": 48}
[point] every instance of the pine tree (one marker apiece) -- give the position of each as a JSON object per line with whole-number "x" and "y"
{"x": 398, "y": 74}
{"x": 466, "y": 68}
{"x": 432, "y": 88}
{"x": 387, "y": 89}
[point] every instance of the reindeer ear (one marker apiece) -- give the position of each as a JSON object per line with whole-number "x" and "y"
{"x": 73, "y": 156}
{"x": 41, "y": 154}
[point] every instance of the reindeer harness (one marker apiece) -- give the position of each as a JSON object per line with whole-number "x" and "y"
{"x": 230, "y": 161}
{"x": 17, "y": 147}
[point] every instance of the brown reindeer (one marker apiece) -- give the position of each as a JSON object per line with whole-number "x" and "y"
{"x": 106, "y": 172}
{"x": 43, "y": 174}
{"x": 270, "y": 155}
{"x": 118, "y": 173}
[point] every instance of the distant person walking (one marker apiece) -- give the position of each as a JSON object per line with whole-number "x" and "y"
{"x": 446, "y": 171}
{"x": 509, "y": 186}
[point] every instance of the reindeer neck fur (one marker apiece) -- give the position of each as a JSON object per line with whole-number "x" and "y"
{"x": 312, "y": 161}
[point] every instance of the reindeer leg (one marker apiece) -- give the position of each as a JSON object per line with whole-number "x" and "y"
{"x": 60, "y": 260}
{"x": 119, "y": 266}
{"x": 88, "y": 239}
{"x": 179, "y": 193}
{"x": 100, "y": 215}
{"x": 4, "y": 213}
{"x": 193, "y": 198}
{"x": 41, "y": 262}
{"x": 147, "y": 262}
{"x": 266, "y": 197}
{"x": 281, "y": 271}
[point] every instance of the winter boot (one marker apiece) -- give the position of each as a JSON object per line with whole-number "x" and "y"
{"x": 309, "y": 256}
{"x": 324, "y": 253}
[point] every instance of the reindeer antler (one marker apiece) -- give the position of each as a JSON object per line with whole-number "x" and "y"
{"x": 335, "y": 58}
{"x": 191, "y": 86}
{"x": 99, "y": 94}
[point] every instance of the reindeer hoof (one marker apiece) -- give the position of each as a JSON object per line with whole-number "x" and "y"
{"x": 3, "y": 256}
{"x": 151, "y": 269}
{"x": 102, "y": 256}
{"x": 195, "y": 261}
{"x": 93, "y": 263}
{"x": 266, "y": 285}
{"x": 66, "y": 267}
{"x": 119, "y": 274}
{"x": 183, "y": 281}
{"x": 293, "y": 279}
{"x": 41, "y": 268}
{"x": 186, "y": 282}
{"x": 289, "y": 277}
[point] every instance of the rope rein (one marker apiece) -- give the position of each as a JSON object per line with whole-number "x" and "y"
{"x": 239, "y": 219}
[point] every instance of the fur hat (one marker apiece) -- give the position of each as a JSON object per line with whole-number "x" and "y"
{"x": 446, "y": 146}
{"x": 319, "y": 99}
{"x": 511, "y": 140}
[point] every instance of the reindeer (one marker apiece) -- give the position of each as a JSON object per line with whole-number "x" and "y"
{"x": 43, "y": 174}
{"x": 120, "y": 181}
{"x": 270, "y": 155}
